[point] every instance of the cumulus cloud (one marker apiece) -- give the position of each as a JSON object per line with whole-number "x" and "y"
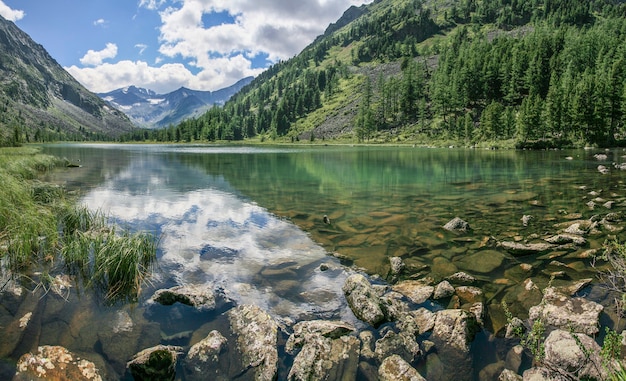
{"x": 95, "y": 58}
{"x": 10, "y": 14}
{"x": 162, "y": 79}
{"x": 218, "y": 54}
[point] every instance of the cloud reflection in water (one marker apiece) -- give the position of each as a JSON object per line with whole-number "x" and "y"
{"x": 211, "y": 235}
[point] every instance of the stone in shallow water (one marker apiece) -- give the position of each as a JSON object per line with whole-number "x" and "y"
{"x": 457, "y": 225}
{"x": 394, "y": 368}
{"x": 443, "y": 290}
{"x": 199, "y": 296}
{"x": 156, "y": 363}
{"x": 55, "y": 363}
{"x": 484, "y": 261}
{"x": 363, "y": 300}
{"x": 257, "y": 335}
{"x": 203, "y": 359}
{"x": 562, "y": 311}
{"x": 520, "y": 249}
{"x": 416, "y": 290}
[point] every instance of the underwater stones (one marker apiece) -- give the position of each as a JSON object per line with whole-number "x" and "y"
{"x": 257, "y": 334}
{"x": 521, "y": 249}
{"x": 573, "y": 288}
{"x": 484, "y": 261}
{"x": 155, "y": 363}
{"x": 461, "y": 278}
{"x": 397, "y": 266}
{"x": 469, "y": 294}
{"x": 457, "y": 225}
{"x": 455, "y": 328}
{"x": 417, "y": 291}
{"x": 199, "y": 296}
{"x": 562, "y": 311}
{"x": 509, "y": 375}
{"x": 363, "y": 300}
{"x": 561, "y": 239}
{"x": 526, "y": 219}
{"x": 203, "y": 359}
{"x": 394, "y": 368}
{"x": 55, "y": 363}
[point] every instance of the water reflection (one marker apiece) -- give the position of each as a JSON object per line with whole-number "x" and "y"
{"x": 210, "y": 234}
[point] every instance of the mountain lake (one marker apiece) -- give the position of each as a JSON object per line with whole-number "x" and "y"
{"x": 257, "y": 223}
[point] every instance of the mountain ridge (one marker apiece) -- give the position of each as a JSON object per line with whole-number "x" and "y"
{"x": 41, "y": 101}
{"x": 150, "y": 110}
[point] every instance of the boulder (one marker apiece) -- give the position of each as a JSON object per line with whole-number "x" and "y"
{"x": 199, "y": 296}
{"x": 509, "y": 375}
{"x": 156, "y": 363}
{"x": 469, "y": 294}
{"x": 397, "y": 265}
{"x": 203, "y": 359}
{"x": 327, "y": 351}
{"x": 521, "y": 249}
{"x": 564, "y": 238}
{"x": 562, "y": 311}
{"x": 514, "y": 358}
{"x": 457, "y": 225}
{"x": 257, "y": 335}
{"x": 394, "y": 368}
{"x": 455, "y": 328}
{"x": 575, "y": 353}
{"x": 55, "y": 363}
{"x": 461, "y": 278}
{"x": 402, "y": 344}
{"x": 363, "y": 300}
{"x": 443, "y": 290}
{"x": 416, "y": 290}
{"x": 306, "y": 331}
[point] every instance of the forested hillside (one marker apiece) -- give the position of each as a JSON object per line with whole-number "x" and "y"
{"x": 513, "y": 72}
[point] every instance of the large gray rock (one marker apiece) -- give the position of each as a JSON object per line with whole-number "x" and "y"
{"x": 443, "y": 290}
{"x": 402, "y": 344}
{"x": 562, "y": 311}
{"x": 203, "y": 359}
{"x": 455, "y": 328}
{"x": 199, "y": 296}
{"x": 394, "y": 368}
{"x": 156, "y": 363}
{"x": 363, "y": 300}
{"x": 55, "y": 363}
{"x": 306, "y": 331}
{"x": 564, "y": 351}
{"x": 509, "y": 375}
{"x": 257, "y": 335}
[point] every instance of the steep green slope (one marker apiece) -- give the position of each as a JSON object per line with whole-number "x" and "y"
{"x": 530, "y": 73}
{"x": 40, "y": 101}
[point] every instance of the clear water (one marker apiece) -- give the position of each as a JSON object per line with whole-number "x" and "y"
{"x": 249, "y": 222}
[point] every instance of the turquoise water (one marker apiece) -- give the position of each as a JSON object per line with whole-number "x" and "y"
{"x": 250, "y": 222}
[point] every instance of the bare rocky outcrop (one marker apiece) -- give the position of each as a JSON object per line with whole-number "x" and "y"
{"x": 257, "y": 335}
{"x": 363, "y": 300}
{"x": 55, "y": 363}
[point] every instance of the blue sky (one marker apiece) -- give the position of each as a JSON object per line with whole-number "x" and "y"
{"x": 165, "y": 44}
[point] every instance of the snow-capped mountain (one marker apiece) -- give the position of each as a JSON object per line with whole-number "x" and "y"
{"x": 151, "y": 110}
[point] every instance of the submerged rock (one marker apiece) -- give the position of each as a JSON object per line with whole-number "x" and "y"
{"x": 257, "y": 335}
{"x": 562, "y": 311}
{"x": 457, "y": 225}
{"x": 199, "y": 296}
{"x": 397, "y": 266}
{"x": 327, "y": 352}
{"x": 363, "y": 300}
{"x": 394, "y": 368}
{"x": 416, "y": 290}
{"x": 55, "y": 363}
{"x": 156, "y": 363}
{"x": 520, "y": 249}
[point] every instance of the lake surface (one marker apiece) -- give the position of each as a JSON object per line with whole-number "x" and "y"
{"x": 250, "y": 221}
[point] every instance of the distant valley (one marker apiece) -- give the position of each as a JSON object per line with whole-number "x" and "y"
{"x": 147, "y": 109}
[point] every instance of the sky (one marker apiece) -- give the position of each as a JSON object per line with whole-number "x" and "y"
{"x": 162, "y": 45}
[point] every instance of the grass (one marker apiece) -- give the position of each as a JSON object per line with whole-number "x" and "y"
{"x": 43, "y": 232}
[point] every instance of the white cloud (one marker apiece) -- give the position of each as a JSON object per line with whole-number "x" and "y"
{"x": 10, "y": 14}
{"x": 221, "y": 54}
{"x": 141, "y": 47}
{"x": 100, "y": 22}
{"x": 95, "y": 58}
{"x": 165, "y": 78}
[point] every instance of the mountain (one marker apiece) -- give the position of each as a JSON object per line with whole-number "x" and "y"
{"x": 535, "y": 73}
{"x": 39, "y": 100}
{"x": 150, "y": 110}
